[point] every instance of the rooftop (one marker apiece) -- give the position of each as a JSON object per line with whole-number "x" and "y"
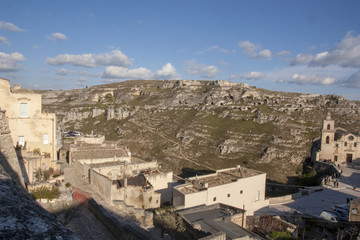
{"x": 115, "y": 163}
{"x": 219, "y": 178}
{"x": 216, "y": 218}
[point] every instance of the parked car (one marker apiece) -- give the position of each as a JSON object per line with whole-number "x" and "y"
{"x": 75, "y": 133}
{"x": 332, "y": 216}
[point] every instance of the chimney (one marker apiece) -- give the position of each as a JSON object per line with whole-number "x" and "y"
{"x": 16, "y": 86}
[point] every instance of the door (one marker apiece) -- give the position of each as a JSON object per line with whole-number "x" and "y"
{"x": 349, "y": 158}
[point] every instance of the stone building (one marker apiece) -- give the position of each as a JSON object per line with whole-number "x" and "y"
{"x": 238, "y": 187}
{"x": 354, "y": 213}
{"x": 120, "y": 177}
{"x": 336, "y": 144}
{"x": 30, "y": 127}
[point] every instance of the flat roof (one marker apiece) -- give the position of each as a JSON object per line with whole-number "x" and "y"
{"x": 115, "y": 163}
{"x": 219, "y": 178}
{"x": 216, "y": 218}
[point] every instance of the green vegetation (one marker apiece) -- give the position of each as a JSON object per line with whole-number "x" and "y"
{"x": 280, "y": 235}
{"x": 68, "y": 184}
{"x": 308, "y": 179}
{"x": 37, "y": 151}
{"x": 46, "y": 193}
{"x": 42, "y": 175}
{"x": 169, "y": 222}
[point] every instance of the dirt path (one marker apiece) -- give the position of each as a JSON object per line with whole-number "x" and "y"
{"x": 181, "y": 154}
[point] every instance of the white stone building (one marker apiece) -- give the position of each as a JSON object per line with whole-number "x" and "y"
{"x": 30, "y": 127}
{"x": 238, "y": 187}
{"x": 337, "y": 145}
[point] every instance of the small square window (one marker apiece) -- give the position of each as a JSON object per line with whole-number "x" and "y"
{"x": 214, "y": 199}
{"x": 241, "y": 191}
{"x": 228, "y": 195}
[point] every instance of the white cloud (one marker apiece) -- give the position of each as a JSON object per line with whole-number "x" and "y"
{"x": 62, "y": 71}
{"x": 353, "y": 81}
{"x": 250, "y": 49}
{"x": 301, "y": 59}
{"x": 247, "y": 76}
{"x": 345, "y": 54}
{"x": 3, "y": 40}
{"x": 115, "y": 58}
{"x": 57, "y": 37}
{"x": 167, "y": 72}
{"x": 312, "y": 79}
{"x": 9, "y": 62}
{"x": 285, "y": 74}
{"x": 266, "y": 53}
{"x": 9, "y": 27}
{"x": 282, "y": 53}
{"x": 210, "y": 71}
{"x": 254, "y": 76}
{"x": 212, "y": 48}
{"x": 123, "y": 72}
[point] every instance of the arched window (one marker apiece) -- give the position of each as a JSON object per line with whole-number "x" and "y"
{"x": 345, "y": 144}
{"x": 327, "y": 139}
{"x": 328, "y": 126}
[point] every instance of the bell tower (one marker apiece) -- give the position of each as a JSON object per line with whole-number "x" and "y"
{"x": 327, "y": 138}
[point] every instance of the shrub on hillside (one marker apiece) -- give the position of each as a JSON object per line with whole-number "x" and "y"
{"x": 46, "y": 193}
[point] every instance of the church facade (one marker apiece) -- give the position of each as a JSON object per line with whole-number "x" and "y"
{"x": 337, "y": 145}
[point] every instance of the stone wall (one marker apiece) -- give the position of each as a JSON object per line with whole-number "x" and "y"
{"x": 120, "y": 229}
{"x": 8, "y": 158}
{"x": 102, "y": 184}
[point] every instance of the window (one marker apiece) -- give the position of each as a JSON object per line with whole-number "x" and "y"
{"x": 228, "y": 195}
{"x": 335, "y": 158}
{"x": 257, "y": 196}
{"x": 351, "y": 138}
{"x": 345, "y": 144}
{"x": 46, "y": 139}
{"x": 337, "y": 145}
{"x": 327, "y": 139}
{"x": 328, "y": 126}
{"x": 214, "y": 199}
{"x": 23, "y": 110}
{"x": 355, "y": 144}
{"x": 241, "y": 191}
{"x": 21, "y": 141}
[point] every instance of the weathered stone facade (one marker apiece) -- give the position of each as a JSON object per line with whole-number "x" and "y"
{"x": 338, "y": 145}
{"x": 30, "y": 127}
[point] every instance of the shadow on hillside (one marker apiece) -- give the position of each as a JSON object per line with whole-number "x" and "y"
{"x": 190, "y": 172}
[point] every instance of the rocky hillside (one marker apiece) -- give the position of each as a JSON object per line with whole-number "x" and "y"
{"x": 204, "y": 125}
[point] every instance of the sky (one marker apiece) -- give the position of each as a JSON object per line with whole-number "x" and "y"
{"x": 295, "y": 46}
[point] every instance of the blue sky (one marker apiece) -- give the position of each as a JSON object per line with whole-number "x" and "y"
{"x": 299, "y": 46}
